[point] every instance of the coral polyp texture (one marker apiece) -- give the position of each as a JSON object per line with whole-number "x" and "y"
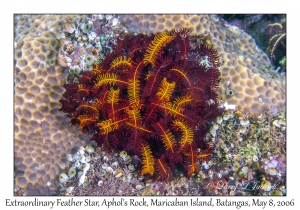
{"x": 151, "y": 97}
{"x": 41, "y": 132}
{"x": 247, "y": 78}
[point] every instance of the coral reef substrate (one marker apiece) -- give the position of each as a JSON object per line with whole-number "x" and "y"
{"x": 50, "y": 47}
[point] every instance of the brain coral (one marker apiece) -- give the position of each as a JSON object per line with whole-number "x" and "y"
{"x": 246, "y": 76}
{"x": 42, "y": 133}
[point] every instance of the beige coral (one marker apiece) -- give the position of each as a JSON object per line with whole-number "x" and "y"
{"x": 246, "y": 70}
{"x": 42, "y": 133}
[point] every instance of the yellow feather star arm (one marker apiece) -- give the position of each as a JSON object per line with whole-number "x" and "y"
{"x": 133, "y": 87}
{"x": 192, "y": 168}
{"x": 92, "y": 109}
{"x": 109, "y": 125}
{"x": 174, "y": 110}
{"x": 81, "y": 88}
{"x": 134, "y": 114}
{"x": 133, "y": 92}
{"x": 107, "y": 79}
{"x": 113, "y": 96}
{"x": 167, "y": 138}
{"x": 84, "y": 120}
{"x": 147, "y": 160}
{"x": 121, "y": 61}
{"x": 160, "y": 40}
{"x": 97, "y": 104}
{"x": 148, "y": 75}
{"x": 141, "y": 128}
{"x": 165, "y": 90}
{"x": 97, "y": 70}
{"x": 162, "y": 166}
{"x": 276, "y": 42}
{"x": 181, "y": 101}
{"x": 187, "y": 133}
